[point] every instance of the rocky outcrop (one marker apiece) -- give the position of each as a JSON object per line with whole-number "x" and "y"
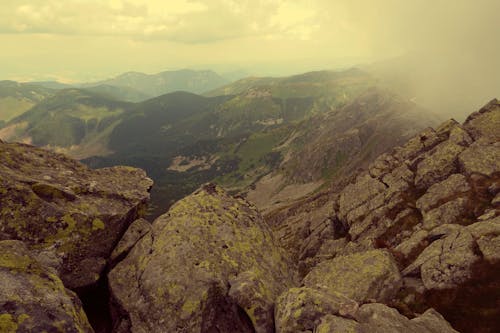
{"x": 209, "y": 264}
{"x": 432, "y": 203}
{"x": 379, "y": 318}
{"x": 33, "y": 298}
{"x": 71, "y": 216}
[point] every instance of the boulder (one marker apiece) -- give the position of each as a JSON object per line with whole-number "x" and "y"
{"x": 209, "y": 264}
{"x": 301, "y": 309}
{"x": 66, "y": 211}
{"x": 483, "y": 125}
{"x": 446, "y": 263}
{"x": 480, "y": 159}
{"x": 437, "y": 194}
{"x": 487, "y": 236}
{"x": 33, "y": 298}
{"x": 437, "y": 164}
{"x": 379, "y": 318}
{"x": 363, "y": 277}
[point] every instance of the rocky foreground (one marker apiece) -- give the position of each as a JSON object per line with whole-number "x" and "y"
{"x": 411, "y": 245}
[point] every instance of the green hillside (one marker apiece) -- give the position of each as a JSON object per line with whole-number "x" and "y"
{"x": 125, "y": 94}
{"x": 70, "y": 118}
{"x": 16, "y": 98}
{"x": 183, "y": 140}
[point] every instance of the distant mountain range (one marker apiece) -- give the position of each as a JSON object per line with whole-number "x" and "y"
{"x": 136, "y": 86}
{"x": 274, "y": 139}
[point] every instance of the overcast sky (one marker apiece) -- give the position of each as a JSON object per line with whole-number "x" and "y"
{"x": 92, "y": 39}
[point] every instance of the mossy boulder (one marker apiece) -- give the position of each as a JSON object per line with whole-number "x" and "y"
{"x": 301, "y": 309}
{"x": 209, "y": 264}
{"x": 33, "y": 298}
{"x": 365, "y": 276}
{"x": 66, "y": 211}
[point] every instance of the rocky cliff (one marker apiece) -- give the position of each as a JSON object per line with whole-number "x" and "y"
{"x": 432, "y": 207}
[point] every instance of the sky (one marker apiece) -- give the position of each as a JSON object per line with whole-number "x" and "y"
{"x": 71, "y": 40}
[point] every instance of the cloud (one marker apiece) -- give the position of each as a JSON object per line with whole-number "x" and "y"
{"x": 185, "y": 21}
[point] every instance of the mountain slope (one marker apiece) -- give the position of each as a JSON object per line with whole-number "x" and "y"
{"x": 330, "y": 145}
{"x": 73, "y": 121}
{"x": 318, "y": 83}
{"x": 118, "y": 93}
{"x": 16, "y": 98}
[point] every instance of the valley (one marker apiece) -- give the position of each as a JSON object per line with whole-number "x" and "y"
{"x": 272, "y": 138}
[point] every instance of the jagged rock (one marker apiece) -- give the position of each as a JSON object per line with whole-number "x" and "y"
{"x": 439, "y": 193}
{"x": 33, "y": 298}
{"x": 363, "y": 277}
{"x": 484, "y": 124}
{"x": 301, "y": 309}
{"x": 450, "y": 212}
{"x": 210, "y": 263}
{"x": 379, "y": 318}
{"x": 359, "y": 197}
{"x": 134, "y": 233}
{"x": 480, "y": 159}
{"x": 382, "y": 165}
{"x": 447, "y": 262}
{"x": 306, "y": 230}
{"x": 422, "y": 142}
{"x": 336, "y": 324}
{"x": 55, "y": 204}
{"x": 487, "y": 235}
{"x": 439, "y": 163}
{"x": 414, "y": 245}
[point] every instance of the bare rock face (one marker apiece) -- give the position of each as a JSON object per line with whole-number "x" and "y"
{"x": 70, "y": 215}
{"x": 33, "y": 298}
{"x": 210, "y": 264}
{"x": 432, "y": 203}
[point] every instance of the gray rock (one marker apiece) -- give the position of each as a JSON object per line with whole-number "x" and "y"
{"x": 55, "y": 204}
{"x": 480, "y": 159}
{"x": 447, "y": 262}
{"x": 301, "y": 309}
{"x": 210, "y": 263}
{"x": 364, "y": 276}
{"x": 439, "y": 193}
{"x": 33, "y": 298}
{"x": 484, "y": 124}
{"x": 438, "y": 164}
